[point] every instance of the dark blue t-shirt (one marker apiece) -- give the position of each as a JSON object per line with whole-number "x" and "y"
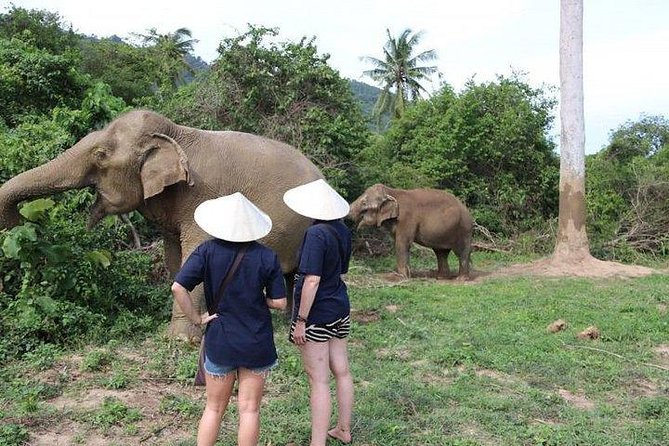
{"x": 325, "y": 255}
{"x": 242, "y": 335}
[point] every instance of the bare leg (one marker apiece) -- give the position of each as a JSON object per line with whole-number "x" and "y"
{"x": 218, "y": 396}
{"x": 315, "y": 356}
{"x": 250, "y": 393}
{"x": 344, "y": 381}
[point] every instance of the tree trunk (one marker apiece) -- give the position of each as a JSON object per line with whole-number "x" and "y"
{"x": 572, "y": 240}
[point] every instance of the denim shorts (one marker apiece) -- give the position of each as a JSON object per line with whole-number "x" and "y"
{"x": 221, "y": 371}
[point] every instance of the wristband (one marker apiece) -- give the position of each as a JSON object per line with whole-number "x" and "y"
{"x": 301, "y": 319}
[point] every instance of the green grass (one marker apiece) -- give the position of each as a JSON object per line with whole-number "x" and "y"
{"x": 434, "y": 363}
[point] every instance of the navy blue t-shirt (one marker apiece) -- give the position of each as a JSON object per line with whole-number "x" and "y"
{"x": 242, "y": 334}
{"x": 325, "y": 255}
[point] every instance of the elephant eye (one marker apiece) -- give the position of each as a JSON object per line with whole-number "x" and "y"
{"x": 99, "y": 154}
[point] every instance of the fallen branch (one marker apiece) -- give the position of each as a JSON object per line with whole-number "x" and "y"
{"x": 487, "y": 247}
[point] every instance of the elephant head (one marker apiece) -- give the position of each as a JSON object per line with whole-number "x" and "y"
{"x": 131, "y": 160}
{"x": 374, "y": 206}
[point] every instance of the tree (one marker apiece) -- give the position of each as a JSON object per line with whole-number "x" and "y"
{"x": 42, "y": 29}
{"x": 646, "y": 137}
{"x": 488, "y": 145}
{"x": 628, "y": 191}
{"x": 285, "y": 91}
{"x": 572, "y": 239}
{"x": 572, "y": 249}
{"x": 130, "y": 71}
{"x": 33, "y": 81}
{"x": 170, "y": 50}
{"x": 399, "y": 72}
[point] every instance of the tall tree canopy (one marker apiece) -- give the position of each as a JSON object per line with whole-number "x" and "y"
{"x": 487, "y": 144}
{"x": 285, "y": 91}
{"x": 399, "y": 72}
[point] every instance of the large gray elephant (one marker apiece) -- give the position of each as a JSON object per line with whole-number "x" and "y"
{"x": 143, "y": 161}
{"x": 429, "y": 217}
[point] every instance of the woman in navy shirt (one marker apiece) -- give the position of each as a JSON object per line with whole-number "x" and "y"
{"x": 321, "y": 313}
{"x": 239, "y": 339}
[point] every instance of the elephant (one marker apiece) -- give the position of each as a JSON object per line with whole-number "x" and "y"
{"x": 430, "y": 217}
{"x": 143, "y": 161}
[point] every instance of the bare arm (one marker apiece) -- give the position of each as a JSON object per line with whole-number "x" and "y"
{"x": 182, "y": 296}
{"x": 307, "y": 297}
{"x": 277, "y": 304}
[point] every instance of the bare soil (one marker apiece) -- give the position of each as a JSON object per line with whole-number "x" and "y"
{"x": 584, "y": 267}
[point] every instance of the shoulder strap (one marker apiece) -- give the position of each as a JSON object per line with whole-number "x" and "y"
{"x": 228, "y": 278}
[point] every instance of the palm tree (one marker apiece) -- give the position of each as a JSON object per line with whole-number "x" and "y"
{"x": 400, "y": 72}
{"x": 171, "y": 49}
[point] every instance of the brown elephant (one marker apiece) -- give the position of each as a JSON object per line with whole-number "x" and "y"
{"x": 432, "y": 218}
{"x": 143, "y": 161}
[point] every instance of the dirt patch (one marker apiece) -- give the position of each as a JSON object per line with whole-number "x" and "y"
{"x": 392, "y": 308}
{"x": 497, "y": 376}
{"x": 66, "y": 434}
{"x": 392, "y": 277}
{"x": 662, "y": 352}
{"x": 578, "y": 401}
{"x": 662, "y": 308}
{"x": 547, "y": 267}
{"x": 385, "y": 353}
{"x": 365, "y": 316}
{"x": 584, "y": 267}
{"x": 643, "y": 387}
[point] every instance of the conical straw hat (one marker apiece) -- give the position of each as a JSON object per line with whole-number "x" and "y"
{"x": 233, "y": 218}
{"x": 317, "y": 200}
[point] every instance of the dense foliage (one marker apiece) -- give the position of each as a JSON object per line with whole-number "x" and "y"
{"x": 628, "y": 191}
{"x": 488, "y": 145}
{"x": 59, "y": 282}
{"x": 285, "y": 91}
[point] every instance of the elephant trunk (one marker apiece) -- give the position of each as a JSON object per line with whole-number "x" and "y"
{"x": 67, "y": 171}
{"x": 354, "y": 212}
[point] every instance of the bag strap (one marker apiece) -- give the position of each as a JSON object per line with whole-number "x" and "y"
{"x": 228, "y": 278}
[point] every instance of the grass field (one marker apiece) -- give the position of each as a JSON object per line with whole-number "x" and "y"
{"x": 434, "y": 363}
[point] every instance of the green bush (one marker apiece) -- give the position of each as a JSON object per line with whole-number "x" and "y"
{"x": 627, "y": 192}
{"x": 488, "y": 145}
{"x": 62, "y": 283}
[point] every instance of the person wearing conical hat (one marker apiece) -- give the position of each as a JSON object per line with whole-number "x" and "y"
{"x": 238, "y": 338}
{"x": 321, "y": 314}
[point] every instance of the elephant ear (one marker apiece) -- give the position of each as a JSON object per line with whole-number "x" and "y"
{"x": 165, "y": 163}
{"x": 388, "y": 209}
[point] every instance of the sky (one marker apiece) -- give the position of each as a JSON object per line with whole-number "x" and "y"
{"x": 626, "y": 42}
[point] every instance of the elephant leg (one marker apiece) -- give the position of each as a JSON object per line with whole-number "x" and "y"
{"x": 464, "y": 260}
{"x": 180, "y": 327}
{"x": 402, "y": 247}
{"x": 443, "y": 270}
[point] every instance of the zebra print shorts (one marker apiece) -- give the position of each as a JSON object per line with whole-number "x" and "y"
{"x": 324, "y": 332}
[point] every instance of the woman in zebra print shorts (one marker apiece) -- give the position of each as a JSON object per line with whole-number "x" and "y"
{"x": 321, "y": 312}
{"x": 323, "y": 332}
